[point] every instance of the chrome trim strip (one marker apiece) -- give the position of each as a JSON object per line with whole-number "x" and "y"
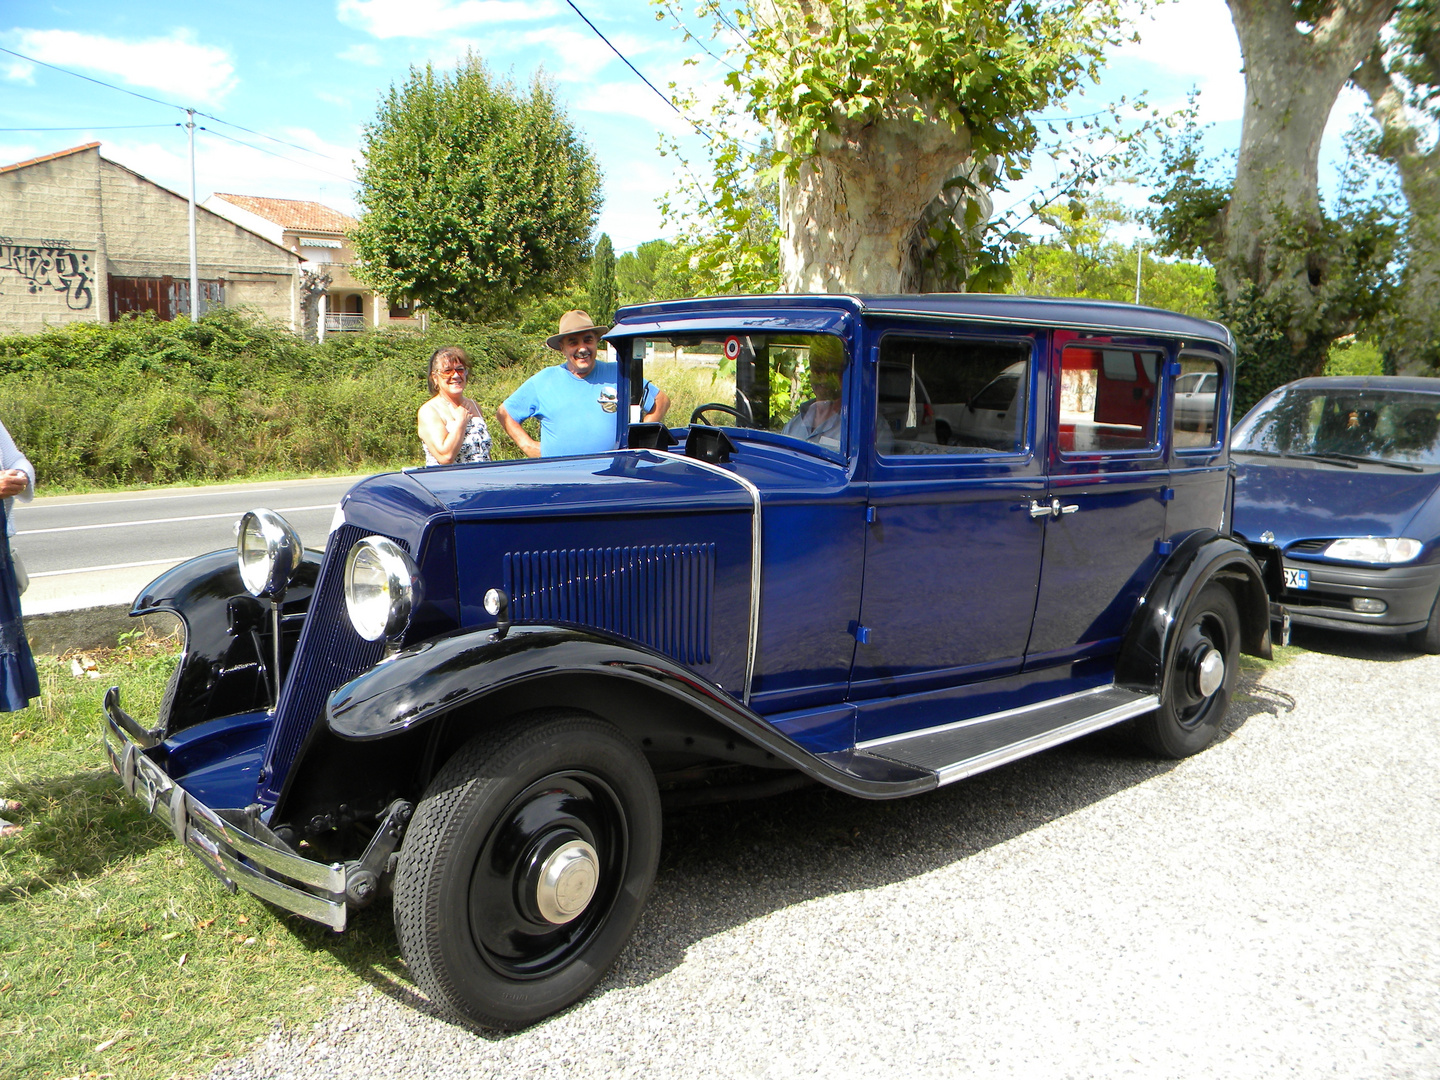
{"x": 224, "y": 846}
{"x": 755, "y": 534}
{"x": 969, "y": 767}
{"x": 906, "y": 736}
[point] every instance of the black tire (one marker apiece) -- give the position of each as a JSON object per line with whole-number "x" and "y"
{"x": 471, "y": 928}
{"x": 1188, "y": 719}
{"x": 1428, "y": 639}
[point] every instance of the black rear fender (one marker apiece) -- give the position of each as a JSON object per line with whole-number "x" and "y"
{"x": 1202, "y": 557}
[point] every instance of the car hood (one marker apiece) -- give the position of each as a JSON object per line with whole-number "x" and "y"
{"x": 1305, "y": 500}
{"x": 626, "y": 481}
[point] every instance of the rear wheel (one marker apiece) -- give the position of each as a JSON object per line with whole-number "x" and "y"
{"x": 526, "y": 867}
{"x": 1199, "y": 678}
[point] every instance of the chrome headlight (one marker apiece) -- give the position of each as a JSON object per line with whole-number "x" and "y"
{"x": 382, "y": 587}
{"x": 269, "y": 551}
{"x": 1374, "y": 549}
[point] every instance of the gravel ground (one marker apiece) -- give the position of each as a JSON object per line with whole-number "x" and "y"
{"x": 1266, "y": 909}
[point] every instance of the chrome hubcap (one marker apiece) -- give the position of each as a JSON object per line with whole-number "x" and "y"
{"x": 567, "y": 882}
{"x": 1210, "y": 672}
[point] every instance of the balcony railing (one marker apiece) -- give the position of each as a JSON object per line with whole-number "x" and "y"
{"x": 338, "y": 322}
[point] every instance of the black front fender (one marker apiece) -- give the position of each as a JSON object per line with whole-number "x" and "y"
{"x": 1202, "y": 557}
{"x": 225, "y": 664}
{"x": 438, "y": 677}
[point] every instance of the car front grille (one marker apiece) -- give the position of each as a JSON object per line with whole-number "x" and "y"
{"x": 330, "y": 653}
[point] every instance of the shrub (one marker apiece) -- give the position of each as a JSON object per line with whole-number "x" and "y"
{"x": 146, "y": 402}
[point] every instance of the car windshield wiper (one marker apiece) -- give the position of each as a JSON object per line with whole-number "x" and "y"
{"x": 1407, "y": 466}
{"x": 1330, "y": 459}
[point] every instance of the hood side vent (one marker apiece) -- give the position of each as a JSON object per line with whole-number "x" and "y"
{"x": 659, "y": 595}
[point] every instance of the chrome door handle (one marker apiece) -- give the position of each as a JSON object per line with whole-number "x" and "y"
{"x": 1039, "y": 510}
{"x": 1070, "y": 509}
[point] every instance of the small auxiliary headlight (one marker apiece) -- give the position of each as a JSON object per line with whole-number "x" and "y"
{"x": 381, "y": 587}
{"x": 269, "y": 552}
{"x": 1374, "y": 549}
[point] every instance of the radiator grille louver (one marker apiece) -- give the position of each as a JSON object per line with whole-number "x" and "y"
{"x": 330, "y": 653}
{"x": 659, "y": 595}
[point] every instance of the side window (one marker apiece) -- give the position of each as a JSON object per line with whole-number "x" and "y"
{"x": 1108, "y": 399}
{"x": 1197, "y": 393}
{"x": 951, "y": 396}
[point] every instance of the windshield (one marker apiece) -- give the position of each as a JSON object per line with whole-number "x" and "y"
{"x": 790, "y": 383}
{"x": 1381, "y": 425}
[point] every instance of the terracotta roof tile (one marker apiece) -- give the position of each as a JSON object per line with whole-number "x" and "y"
{"x": 293, "y": 213}
{"x": 52, "y": 157}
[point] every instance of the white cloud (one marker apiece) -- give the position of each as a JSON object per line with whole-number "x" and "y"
{"x": 365, "y": 54}
{"x": 429, "y": 18}
{"x": 1191, "y": 43}
{"x": 20, "y": 71}
{"x": 178, "y": 65}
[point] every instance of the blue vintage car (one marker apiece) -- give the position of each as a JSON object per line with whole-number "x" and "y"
{"x": 481, "y": 694}
{"x": 1335, "y": 490}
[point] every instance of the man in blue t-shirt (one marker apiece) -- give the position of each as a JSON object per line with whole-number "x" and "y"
{"x": 576, "y": 400}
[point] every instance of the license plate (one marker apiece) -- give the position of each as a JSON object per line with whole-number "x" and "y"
{"x": 1297, "y": 579}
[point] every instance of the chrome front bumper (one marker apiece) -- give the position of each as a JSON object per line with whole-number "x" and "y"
{"x": 234, "y": 845}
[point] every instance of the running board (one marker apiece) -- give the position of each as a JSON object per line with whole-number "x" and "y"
{"x": 954, "y": 751}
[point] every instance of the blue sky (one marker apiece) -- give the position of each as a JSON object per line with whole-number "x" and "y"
{"x": 310, "y": 73}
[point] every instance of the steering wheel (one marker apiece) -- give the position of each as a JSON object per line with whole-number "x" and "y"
{"x": 700, "y": 410}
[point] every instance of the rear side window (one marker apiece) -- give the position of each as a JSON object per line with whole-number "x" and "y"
{"x": 1197, "y": 397}
{"x": 952, "y": 396}
{"x": 1108, "y": 399}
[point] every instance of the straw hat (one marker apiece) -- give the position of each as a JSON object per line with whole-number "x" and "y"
{"x": 574, "y": 322}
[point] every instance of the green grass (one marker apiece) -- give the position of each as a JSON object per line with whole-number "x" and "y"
{"x": 120, "y": 954}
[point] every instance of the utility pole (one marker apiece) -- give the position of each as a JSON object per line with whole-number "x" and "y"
{"x": 194, "y": 268}
{"x": 1139, "y": 257}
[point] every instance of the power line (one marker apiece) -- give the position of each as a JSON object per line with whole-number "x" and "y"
{"x": 95, "y": 127}
{"x": 157, "y": 101}
{"x": 282, "y": 157}
{"x": 627, "y": 63}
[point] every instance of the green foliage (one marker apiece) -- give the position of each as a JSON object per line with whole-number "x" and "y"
{"x": 1081, "y": 260}
{"x": 146, "y": 402}
{"x": 1349, "y": 254}
{"x": 823, "y": 74}
{"x": 475, "y": 194}
{"x": 818, "y": 69}
{"x": 1352, "y": 356}
{"x": 731, "y": 223}
{"x": 602, "y": 282}
{"x": 656, "y": 270}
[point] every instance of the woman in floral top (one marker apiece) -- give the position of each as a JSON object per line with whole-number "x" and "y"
{"x": 451, "y": 428}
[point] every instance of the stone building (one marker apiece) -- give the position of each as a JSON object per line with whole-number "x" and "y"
{"x": 320, "y": 236}
{"x": 83, "y": 238}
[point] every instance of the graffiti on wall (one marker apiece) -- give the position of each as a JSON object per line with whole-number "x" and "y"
{"x": 51, "y": 264}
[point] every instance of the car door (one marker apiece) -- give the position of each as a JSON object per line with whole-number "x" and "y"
{"x": 952, "y": 554}
{"x": 1108, "y": 488}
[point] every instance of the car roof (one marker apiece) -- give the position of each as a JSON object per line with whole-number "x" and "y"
{"x": 1090, "y": 315}
{"x": 1413, "y": 383}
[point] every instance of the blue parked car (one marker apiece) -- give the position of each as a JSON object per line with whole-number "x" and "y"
{"x": 1335, "y": 491}
{"x": 479, "y": 696}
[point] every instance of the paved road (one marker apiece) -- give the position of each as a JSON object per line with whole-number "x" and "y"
{"x": 1265, "y": 909}
{"x": 89, "y": 550}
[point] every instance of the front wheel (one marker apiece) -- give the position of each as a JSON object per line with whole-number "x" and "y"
{"x": 1199, "y": 678}
{"x": 1428, "y": 639}
{"x": 526, "y": 867}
